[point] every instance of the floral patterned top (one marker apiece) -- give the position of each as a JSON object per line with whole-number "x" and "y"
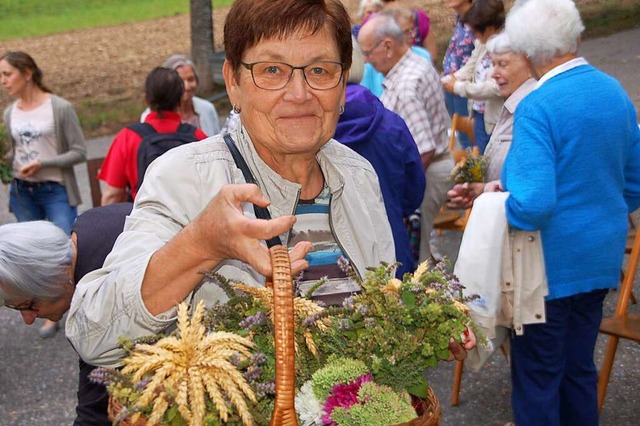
{"x": 460, "y": 48}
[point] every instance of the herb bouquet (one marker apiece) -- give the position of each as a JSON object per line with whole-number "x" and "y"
{"x": 472, "y": 168}
{"x": 358, "y": 364}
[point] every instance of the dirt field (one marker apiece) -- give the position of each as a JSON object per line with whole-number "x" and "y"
{"x": 109, "y": 64}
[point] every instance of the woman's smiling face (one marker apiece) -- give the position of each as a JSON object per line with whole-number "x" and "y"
{"x": 296, "y": 119}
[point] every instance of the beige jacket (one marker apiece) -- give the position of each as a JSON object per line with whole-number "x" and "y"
{"x": 506, "y": 268}
{"x": 107, "y": 303}
{"x": 467, "y": 87}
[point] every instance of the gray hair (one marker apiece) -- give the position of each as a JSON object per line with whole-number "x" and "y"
{"x": 499, "y": 43}
{"x": 357, "y": 63}
{"x": 176, "y": 61}
{"x": 364, "y": 3}
{"x": 386, "y": 26}
{"x": 544, "y": 29}
{"x": 35, "y": 259}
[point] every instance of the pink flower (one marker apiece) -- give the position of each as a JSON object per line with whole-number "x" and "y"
{"x": 343, "y": 395}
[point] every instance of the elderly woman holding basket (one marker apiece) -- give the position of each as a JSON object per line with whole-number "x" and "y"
{"x": 286, "y": 71}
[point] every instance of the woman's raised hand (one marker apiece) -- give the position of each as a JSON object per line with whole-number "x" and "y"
{"x": 230, "y": 234}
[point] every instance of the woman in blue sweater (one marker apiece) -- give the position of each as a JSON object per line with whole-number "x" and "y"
{"x": 573, "y": 172}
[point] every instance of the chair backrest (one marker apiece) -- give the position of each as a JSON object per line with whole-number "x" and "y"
{"x": 460, "y": 124}
{"x": 93, "y": 168}
{"x": 463, "y": 124}
{"x": 629, "y": 277}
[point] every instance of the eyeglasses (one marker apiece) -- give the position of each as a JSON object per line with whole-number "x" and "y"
{"x": 321, "y": 75}
{"x": 23, "y": 307}
{"x": 410, "y": 33}
{"x": 366, "y": 53}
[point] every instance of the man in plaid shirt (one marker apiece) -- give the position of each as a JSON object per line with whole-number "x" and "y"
{"x": 412, "y": 89}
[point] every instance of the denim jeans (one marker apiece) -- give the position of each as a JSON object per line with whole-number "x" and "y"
{"x": 458, "y": 104}
{"x": 481, "y": 136}
{"x": 42, "y": 201}
{"x": 554, "y": 379}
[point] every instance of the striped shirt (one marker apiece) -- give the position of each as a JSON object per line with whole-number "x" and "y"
{"x": 313, "y": 225}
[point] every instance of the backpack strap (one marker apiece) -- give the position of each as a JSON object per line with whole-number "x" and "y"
{"x": 261, "y": 212}
{"x": 142, "y": 129}
{"x": 187, "y": 128}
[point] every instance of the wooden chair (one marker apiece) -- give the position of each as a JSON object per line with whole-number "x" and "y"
{"x": 460, "y": 124}
{"x": 622, "y": 324}
{"x": 93, "y": 168}
{"x": 457, "y": 375}
{"x": 446, "y": 218}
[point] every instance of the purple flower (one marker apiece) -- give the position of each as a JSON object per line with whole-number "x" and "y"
{"x": 344, "y": 265}
{"x": 348, "y": 302}
{"x": 260, "y": 318}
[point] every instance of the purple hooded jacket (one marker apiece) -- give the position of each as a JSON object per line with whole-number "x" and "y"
{"x": 382, "y": 137}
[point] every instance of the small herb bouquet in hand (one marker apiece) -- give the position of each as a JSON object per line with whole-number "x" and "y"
{"x": 472, "y": 168}
{"x": 355, "y": 364}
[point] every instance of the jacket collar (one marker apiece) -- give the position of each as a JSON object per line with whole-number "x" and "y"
{"x": 283, "y": 193}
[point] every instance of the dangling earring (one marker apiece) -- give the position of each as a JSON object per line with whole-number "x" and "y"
{"x": 341, "y": 109}
{"x": 236, "y": 109}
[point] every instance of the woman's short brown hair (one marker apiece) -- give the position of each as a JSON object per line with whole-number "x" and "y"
{"x": 483, "y": 14}
{"x": 251, "y": 21}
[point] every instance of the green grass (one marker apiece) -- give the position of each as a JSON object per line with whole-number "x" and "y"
{"x": 610, "y": 17}
{"x": 32, "y": 18}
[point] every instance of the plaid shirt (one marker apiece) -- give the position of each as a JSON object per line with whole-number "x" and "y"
{"x": 412, "y": 89}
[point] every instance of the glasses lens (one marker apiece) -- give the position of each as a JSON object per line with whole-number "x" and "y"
{"x": 323, "y": 75}
{"x": 271, "y": 75}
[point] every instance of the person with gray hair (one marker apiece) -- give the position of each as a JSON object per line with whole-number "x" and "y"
{"x": 366, "y": 9}
{"x": 39, "y": 268}
{"x": 573, "y": 173}
{"x": 513, "y": 78}
{"x": 382, "y": 137}
{"x": 371, "y": 78}
{"x": 196, "y": 111}
{"x": 413, "y": 91}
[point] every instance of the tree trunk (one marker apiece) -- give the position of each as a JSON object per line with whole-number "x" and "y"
{"x": 202, "y": 44}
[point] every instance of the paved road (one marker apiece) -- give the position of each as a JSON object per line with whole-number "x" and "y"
{"x": 38, "y": 378}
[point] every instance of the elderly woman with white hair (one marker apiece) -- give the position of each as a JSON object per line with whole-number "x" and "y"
{"x": 194, "y": 110}
{"x": 573, "y": 173}
{"x": 513, "y": 78}
{"x": 39, "y": 268}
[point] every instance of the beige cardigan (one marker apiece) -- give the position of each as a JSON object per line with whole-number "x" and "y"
{"x": 506, "y": 268}
{"x": 467, "y": 87}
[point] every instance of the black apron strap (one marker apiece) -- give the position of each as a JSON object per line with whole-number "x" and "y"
{"x": 261, "y": 212}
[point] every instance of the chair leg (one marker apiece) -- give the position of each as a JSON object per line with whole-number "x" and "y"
{"x": 457, "y": 380}
{"x": 605, "y": 370}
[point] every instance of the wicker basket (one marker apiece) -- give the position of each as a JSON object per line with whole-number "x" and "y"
{"x": 284, "y": 413}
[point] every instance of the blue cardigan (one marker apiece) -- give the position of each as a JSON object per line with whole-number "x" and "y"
{"x": 573, "y": 172}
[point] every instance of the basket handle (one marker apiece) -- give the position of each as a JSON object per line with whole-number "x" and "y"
{"x": 284, "y": 412}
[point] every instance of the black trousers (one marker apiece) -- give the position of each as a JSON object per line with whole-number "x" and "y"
{"x": 93, "y": 400}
